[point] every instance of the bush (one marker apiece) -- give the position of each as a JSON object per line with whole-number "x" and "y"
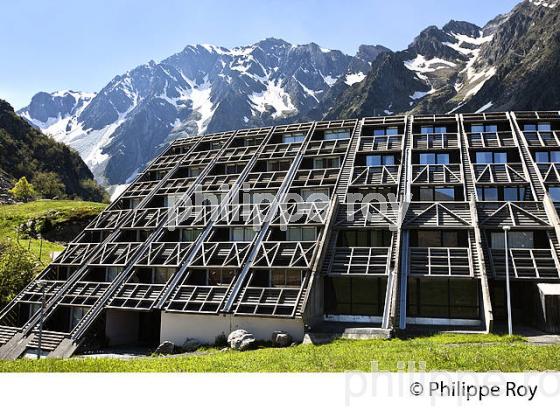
{"x": 23, "y": 190}
{"x": 49, "y": 185}
{"x": 93, "y": 191}
{"x": 17, "y": 268}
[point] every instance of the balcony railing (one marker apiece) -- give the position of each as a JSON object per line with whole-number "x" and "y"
{"x": 381, "y": 143}
{"x": 515, "y": 214}
{"x": 550, "y": 171}
{"x": 499, "y": 173}
{"x": 502, "y": 139}
{"x": 359, "y": 261}
{"x": 435, "y": 141}
{"x": 542, "y": 138}
{"x": 440, "y": 262}
{"x": 193, "y": 298}
{"x": 382, "y": 214}
{"x": 376, "y": 175}
{"x": 436, "y": 174}
{"x": 523, "y": 263}
{"x": 449, "y": 214}
{"x": 285, "y": 254}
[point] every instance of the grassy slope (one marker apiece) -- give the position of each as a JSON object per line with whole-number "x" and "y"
{"x": 11, "y": 216}
{"x": 443, "y": 352}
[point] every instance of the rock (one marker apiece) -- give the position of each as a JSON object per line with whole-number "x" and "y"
{"x": 241, "y": 340}
{"x": 165, "y": 348}
{"x": 190, "y": 345}
{"x": 225, "y": 349}
{"x": 281, "y": 339}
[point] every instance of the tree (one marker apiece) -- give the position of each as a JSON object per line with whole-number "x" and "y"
{"x": 49, "y": 185}
{"x": 23, "y": 190}
{"x": 93, "y": 191}
{"x": 17, "y": 268}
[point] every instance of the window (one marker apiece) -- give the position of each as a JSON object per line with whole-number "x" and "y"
{"x": 293, "y": 138}
{"x": 301, "y": 234}
{"x": 433, "y": 158}
{"x": 278, "y": 165}
{"x": 541, "y": 126}
{"x": 315, "y": 195}
{"x": 515, "y": 240}
{"x": 112, "y": 272}
{"x": 337, "y": 134}
{"x": 501, "y": 193}
{"x": 547, "y": 156}
{"x": 171, "y": 200}
{"x": 220, "y": 277}
{"x": 481, "y": 128}
{"x": 242, "y": 234}
{"x": 444, "y": 194}
{"x": 162, "y": 275}
{"x": 437, "y": 194}
{"x": 386, "y": 131}
{"x": 554, "y": 192}
{"x": 77, "y": 313}
{"x": 376, "y": 160}
{"x": 234, "y": 168}
{"x": 251, "y": 141}
{"x": 215, "y": 145}
{"x": 487, "y": 194}
{"x": 194, "y": 171}
{"x": 488, "y": 157}
{"x": 285, "y": 277}
{"x": 364, "y": 238}
{"x": 432, "y": 130}
{"x": 189, "y": 235}
{"x": 429, "y": 239}
{"x": 329, "y": 162}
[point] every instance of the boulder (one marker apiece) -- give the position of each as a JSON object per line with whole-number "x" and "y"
{"x": 165, "y": 348}
{"x": 281, "y": 339}
{"x": 190, "y": 345}
{"x": 241, "y": 340}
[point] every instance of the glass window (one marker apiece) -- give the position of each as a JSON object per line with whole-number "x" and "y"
{"x": 444, "y": 194}
{"x": 541, "y": 156}
{"x": 189, "y": 235}
{"x": 440, "y": 130}
{"x": 483, "y": 157}
{"x": 242, "y": 234}
{"x": 298, "y": 234}
{"x": 218, "y": 277}
{"x": 544, "y": 126}
{"x": 443, "y": 159}
{"x": 426, "y": 194}
{"x": 375, "y": 160}
{"x": 322, "y": 163}
{"x": 554, "y": 156}
{"x": 427, "y": 239}
{"x": 529, "y": 127}
{"x": 515, "y": 240}
{"x": 337, "y": 134}
{"x": 491, "y": 128}
{"x": 426, "y": 130}
{"x": 489, "y": 194}
{"x": 292, "y": 138}
{"x": 392, "y": 131}
{"x": 514, "y": 194}
{"x": 554, "y": 192}
{"x": 477, "y": 128}
{"x": 427, "y": 158}
{"x": 315, "y": 195}
{"x": 500, "y": 158}
{"x": 450, "y": 239}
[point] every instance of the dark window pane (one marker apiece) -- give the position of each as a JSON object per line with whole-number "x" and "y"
{"x": 444, "y": 194}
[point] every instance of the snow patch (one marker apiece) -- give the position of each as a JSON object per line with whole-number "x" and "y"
{"x": 421, "y": 65}
{"x": 354, "y": 78}
{"x": 543, "y": 3}
{"x": 484, "y": 107}
{"x": 274, "y": 96}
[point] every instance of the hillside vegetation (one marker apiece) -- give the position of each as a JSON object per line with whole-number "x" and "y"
{"x": 26, "y": 152}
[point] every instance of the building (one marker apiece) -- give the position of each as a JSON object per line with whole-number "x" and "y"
{"x": 387, "y": 222}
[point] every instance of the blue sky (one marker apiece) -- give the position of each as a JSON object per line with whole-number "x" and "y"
{"x": 81, "y": 45}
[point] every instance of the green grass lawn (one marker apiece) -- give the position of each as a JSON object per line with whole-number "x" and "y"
{"x": 442, "y": 352}
{"x": 11, "y": 216}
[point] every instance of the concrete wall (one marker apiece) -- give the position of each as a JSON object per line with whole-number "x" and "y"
{"x": 121, "y": 327}
{"x": 176, "y": 327}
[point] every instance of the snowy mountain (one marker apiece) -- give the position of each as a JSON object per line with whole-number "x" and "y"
{"x": 203, "y": 88}
{"x": 509, "y": 64}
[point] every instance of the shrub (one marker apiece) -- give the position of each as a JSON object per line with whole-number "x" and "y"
{"x": 93, "y": 191}
{"x": 23, "y": 190}
{"x": 49, "y": 185}
{"x": 17, "y": 268}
